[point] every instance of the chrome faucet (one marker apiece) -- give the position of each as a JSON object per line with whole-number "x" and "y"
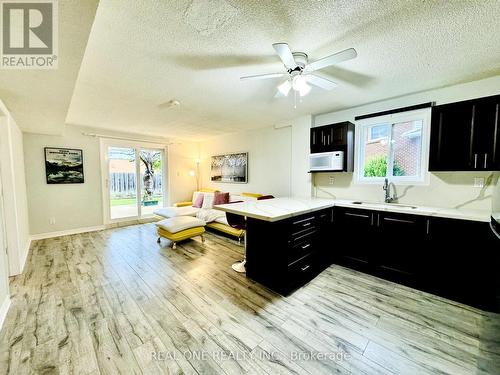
{"x": 387, "y": 189}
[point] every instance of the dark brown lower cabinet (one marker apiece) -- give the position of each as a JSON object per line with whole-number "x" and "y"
{"x": 286, "y": 254}
{"x": 456, "y": 259}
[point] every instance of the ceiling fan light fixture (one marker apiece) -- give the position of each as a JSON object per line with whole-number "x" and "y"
{"x": 285, "y": 87}
{"x": 304, "y": 90}
{"x": 299, "y": 82}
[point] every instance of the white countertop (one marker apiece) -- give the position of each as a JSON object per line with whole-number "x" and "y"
{"x": 450, "y": 213}
{"x": 277, "y": 208}
{"x": 282, "y": 208}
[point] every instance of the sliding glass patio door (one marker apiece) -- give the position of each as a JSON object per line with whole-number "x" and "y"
{"x": 134, "y": 175}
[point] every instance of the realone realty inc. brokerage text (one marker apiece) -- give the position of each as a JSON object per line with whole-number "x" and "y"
{"x": 223, "y": 355}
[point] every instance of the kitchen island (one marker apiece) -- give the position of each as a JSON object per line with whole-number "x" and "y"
{"x": 283, "y": 239}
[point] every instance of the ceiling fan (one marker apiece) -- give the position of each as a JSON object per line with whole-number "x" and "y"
{"x": 300, "y": 73}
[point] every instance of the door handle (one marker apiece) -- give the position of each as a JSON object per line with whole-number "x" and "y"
{"x": 485, "y": 160}
{"x": 475, "y": 161}
{"x": 305, "y": 268}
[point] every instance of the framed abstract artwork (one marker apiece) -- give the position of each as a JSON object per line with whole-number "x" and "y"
{"x": 230, "y": 168}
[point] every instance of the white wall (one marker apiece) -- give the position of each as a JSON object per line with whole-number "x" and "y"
{"x": 14, "y": 191}
{"x": 4, "y": 267}
{"x": 269, "y": 160}
{"x": 465, "y": 91}
{"x": 445, "y": 189}
{"x": 70, "y": 205}
{"x": 181, "y": 159}
{"x": 77, "y": 206}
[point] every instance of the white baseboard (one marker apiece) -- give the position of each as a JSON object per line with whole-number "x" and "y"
{"x": 42, "y": 236}
{"x": 4, "y": 309}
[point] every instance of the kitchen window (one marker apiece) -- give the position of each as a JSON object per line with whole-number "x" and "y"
{"x": 394, "y": 147}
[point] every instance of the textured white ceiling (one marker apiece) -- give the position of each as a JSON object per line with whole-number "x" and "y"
{"x": 39, "y": 99}
{"x": 144, "y": 53}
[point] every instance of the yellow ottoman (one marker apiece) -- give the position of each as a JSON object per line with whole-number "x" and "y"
{"x": 180, "y": 228}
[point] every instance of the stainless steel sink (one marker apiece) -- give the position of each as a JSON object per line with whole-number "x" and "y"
{"x": 402, "y": 205}
{"x": 385, "y": 204}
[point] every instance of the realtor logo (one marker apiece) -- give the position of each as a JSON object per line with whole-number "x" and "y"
{"x": 29, "y": 34}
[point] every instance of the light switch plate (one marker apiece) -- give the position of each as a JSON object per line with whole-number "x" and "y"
{"x": 331, "y": 180}
{"x": 478, "y": 182}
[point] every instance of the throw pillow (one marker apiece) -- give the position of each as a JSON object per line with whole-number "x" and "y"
{"x": 198, "y": 201}
{"x": 208, "y": 200}
{"x": 221, "y": 198}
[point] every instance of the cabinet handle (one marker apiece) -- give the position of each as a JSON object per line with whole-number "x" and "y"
{"x": 305, "y": 246}
{"x": 495, "y": 136}
{"x": 485, "y": 160}
{"x": 356, "y": 215}
{"x": 475, "y": 161}
{"x": 314, "y": 138}
{"x": 305, "y": 268}
{"x": 378, "y": 220}
{"x": 306, "y": 219}
{"x": 427, "y": 226}
{"x": 372, "y": 220}
{"x": 399, "y": 220}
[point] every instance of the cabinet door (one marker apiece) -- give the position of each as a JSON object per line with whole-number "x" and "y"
{"x": 463, "y": 265}
{"x": 451, "y": 138}
{"x": 316, "y": 140}
{"x": 355, "y": 238}
{"x": 404, "y": 239}
{"x": 338, "y": 135}
{"x": 486, "y": 134}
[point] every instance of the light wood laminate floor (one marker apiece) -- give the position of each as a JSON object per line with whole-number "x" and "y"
{"x": 116, "y": 302}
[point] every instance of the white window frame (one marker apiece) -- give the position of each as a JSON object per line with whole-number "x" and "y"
{"x": 375, "y": 139}
{"x": 423, "y": 177}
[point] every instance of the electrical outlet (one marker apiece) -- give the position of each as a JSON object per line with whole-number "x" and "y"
{"x": 478, "y": 182}
{"x": 331, "y": 180}
{"x": 52, "y": 220}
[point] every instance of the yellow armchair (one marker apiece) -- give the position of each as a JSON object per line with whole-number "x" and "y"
{"x": 183, "y": 204}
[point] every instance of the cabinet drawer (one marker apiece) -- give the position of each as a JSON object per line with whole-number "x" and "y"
{"x": 301, "y": 249}
{"x": 302, "y": 236}
{"x": 302, "y": 225}
{"x": 301, "y": 268}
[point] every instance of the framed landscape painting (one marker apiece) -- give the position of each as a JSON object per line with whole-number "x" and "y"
{"x": 230, "y": 168}
{"x": 63, "y": 165}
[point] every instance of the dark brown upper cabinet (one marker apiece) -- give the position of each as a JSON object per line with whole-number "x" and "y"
{"x": 330, "y": 137}
{"x": 465, "y": 136}
{"x": 335, "y": 137}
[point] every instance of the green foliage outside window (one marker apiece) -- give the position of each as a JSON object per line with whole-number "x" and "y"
{"x": 377, "y": 167}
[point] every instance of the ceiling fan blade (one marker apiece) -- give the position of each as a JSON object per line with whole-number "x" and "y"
{"x": 321, "y": 82}
{"x": 336, "y": 58}
{"x": 285, "y": 55}
{"x": 262, "y": 76}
